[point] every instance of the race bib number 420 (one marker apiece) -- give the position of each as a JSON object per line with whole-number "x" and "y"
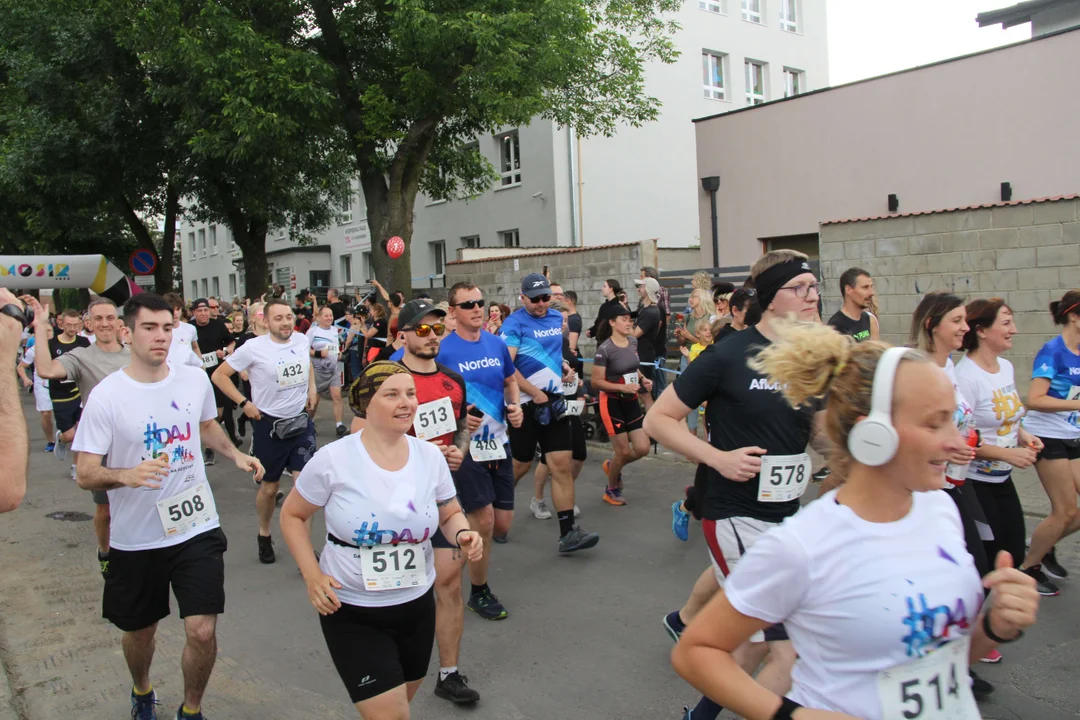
{"x": 486, "y": 449}
{"x": 933, "y": 687}
{"x": 187, "y": 511}
{"x": 392, "y": 567}
{"x": 292, "y": 373}
{"x": 435, "y": 419}
{"x": 783, "y": 477}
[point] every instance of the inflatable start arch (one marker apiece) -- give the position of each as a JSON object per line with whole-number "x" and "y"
{"x": 43, "y": 272}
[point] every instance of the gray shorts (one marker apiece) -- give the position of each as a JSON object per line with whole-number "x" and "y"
{"x": 101, "y": 497}
{"x": 326, "y": 379}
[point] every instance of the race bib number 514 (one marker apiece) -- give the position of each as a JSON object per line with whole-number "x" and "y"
{"x": 933, "y": 687}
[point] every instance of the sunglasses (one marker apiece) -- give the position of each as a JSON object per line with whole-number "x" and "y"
{"x": 214, "y": 307}
{"x": 540, "y": 299}
{"x": 470, "y": 304}
{"x": 425, "y": 329}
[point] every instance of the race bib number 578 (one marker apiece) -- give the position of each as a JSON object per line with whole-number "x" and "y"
{"x": 783, "y": 477}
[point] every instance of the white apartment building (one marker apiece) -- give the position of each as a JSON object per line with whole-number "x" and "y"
{"x": 556, "y": 189}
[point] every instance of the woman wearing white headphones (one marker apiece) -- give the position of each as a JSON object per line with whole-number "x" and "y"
{"x": 881, "y": 600}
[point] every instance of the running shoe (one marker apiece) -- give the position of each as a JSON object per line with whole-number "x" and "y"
{"x": 680, "y": 521}
{"x": 687, "y": 713}
{"x": 181, "y": 715}
{"x": 49, "y": 447}
{"x": 979, "y": 688}
{"x": 266, "y": 550}
{"x": 208, "y": 456}
{"x": 613, "y": 496}
{"x": 822, "y": 474}
{"x": 993, "y": 658}
{"x": 540, "y": 509}
{"x": 674, "y": 625}
{"x": 1052, "y": 567}
{"x": 1042, "y": 583}
{"x": 143, "y": 707}
{"x": 486, "y": 605}
{"x": 501, "y": 539}
{"x": 278, "y": 498}
{"x": 455, "y": 688}
{"x": 60, "y": 447}
{"x": 74, "y": 473}
{"x": 342, "y": 431}
{"x": 577, "y": 511}
{"x": 577, "y": 539}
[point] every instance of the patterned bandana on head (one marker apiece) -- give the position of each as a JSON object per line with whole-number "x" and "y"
{"x": 369, "y": 382}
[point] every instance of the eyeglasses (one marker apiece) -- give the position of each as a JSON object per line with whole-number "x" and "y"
{"x": 539, "y": 299}
{"x": 470, "y": 304}
{"x": 425, "y": 329}
{"x": 803, "y": 291}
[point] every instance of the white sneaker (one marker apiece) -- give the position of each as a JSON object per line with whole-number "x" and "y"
{"x": 73, "y": 478}
{"x": 577, "y": 511}
{"x": 540, "y": 509}
{"x": 60, "y": 447}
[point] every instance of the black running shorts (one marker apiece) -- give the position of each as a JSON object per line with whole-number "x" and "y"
{"x": 376, "y": 649}
{"x": 138, "y": 581}
{"x": 67, "y": 413}
{"x": 277, "y": 456}
{"x": 556, "y": 436}
{"x": 620, "y": 414}
{"x": 1054, "y": 449}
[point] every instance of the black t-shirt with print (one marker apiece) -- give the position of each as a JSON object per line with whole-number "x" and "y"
{"x": 64, "y": 390}
{"x": 743, "y": 411}
{"x": 213, "y": 336}
{"x": 648, "y": 321}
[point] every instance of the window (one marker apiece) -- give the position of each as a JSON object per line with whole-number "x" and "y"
{"x": 194, "y": 289}
{"x": 191, "y": 242}
{"x": 715, "y": 6}
{"x": 755, "y": 82}
{"x": 510, "y": 238}
{"x": 202, "y": 243}
{"x": 751, "y": 10}
{"x": 712, "y": 65}
{"x": 788, "y": 18}
{"x": 281, "y": 233}
{"x": 213, "y": 239}
{"x": 346, "y": 269}
{"x": 215, "y": 286}
{"x": 438, "y": 256}
{"x": 794, "y": 82}
{"x": 510, "y": 155}
{"x": 232, "y": 285}
{"x": 470, "y": 241}
{"x": 346, "y": 210}
{"x": 243, "y": 284}
{"x": 365, "y": 265}
{"x": 204, "y": 288}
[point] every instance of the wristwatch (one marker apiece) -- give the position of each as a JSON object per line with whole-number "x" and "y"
{"x": 242, "y": 404}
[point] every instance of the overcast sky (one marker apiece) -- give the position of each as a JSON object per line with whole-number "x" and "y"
{"x": 873, "y": 37}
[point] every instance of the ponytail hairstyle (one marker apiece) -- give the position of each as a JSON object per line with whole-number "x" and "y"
{"x": 811, "y": 360}
{"x": 1069, "y": 304}
{"x": 928, "y": 315}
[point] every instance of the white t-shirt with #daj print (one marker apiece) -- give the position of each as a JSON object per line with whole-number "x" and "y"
{"x": 998, "y": 412}
{"x": 129, "y": 422}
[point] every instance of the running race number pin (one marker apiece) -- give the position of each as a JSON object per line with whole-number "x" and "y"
{"x": 933, "y": 687}
{"x": 435, "y": 419}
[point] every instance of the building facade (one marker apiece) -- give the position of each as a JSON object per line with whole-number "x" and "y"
{"x": 556, "y": 189}
{"x": 929, "y": 138}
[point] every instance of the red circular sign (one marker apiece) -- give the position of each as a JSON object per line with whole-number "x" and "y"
{"x": 395, "y": 247}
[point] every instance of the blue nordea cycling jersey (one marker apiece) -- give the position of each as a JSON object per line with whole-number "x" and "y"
{"x": 485, "y": 365}
{"x": 539, "y": 348}
{"x": 1058, "y": 364}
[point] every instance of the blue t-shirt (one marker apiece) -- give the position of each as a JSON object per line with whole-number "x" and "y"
{"x": 539, "y": 348}
{"x": 485, "y": 364}
{"x": 1058, "y": 364}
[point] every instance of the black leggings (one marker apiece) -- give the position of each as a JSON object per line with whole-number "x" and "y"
{"x": 1005, "y": 516}
{"x": 966, "y": 502}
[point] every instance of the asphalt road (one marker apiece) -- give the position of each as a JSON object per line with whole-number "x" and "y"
{"x": 583, "y": 639}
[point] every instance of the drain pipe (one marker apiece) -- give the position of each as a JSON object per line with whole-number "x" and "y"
{"x": 711, "y": 184}
{"x": 571, "y": 140}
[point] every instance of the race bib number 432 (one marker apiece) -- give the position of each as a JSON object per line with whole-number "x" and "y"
{"x": 933, "y": 687}
{"x": 392, "y": 567}
{"x": 292, "y": 373}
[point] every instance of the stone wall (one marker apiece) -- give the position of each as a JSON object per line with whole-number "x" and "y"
{"x": 582, "y": 270}
{"x": 1027, "y": 253}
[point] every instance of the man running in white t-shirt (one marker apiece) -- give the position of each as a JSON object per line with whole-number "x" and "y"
{"x": 282, "y": 388}
{"x": 185, "y": 343}
{"x": 150, "y": 419}
{"x": 324, "y": 339}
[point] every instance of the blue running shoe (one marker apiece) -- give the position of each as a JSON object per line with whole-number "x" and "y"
{"x": 680, "y": 521}
{"x": 143, "y": 707}
{"x": 181, "y": 715}
{"x": 50, "y": 447}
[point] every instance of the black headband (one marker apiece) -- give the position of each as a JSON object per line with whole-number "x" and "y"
{"x": 769, "y": 282}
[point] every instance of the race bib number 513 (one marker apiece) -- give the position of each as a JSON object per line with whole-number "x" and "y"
{"x": 435, "y": 419}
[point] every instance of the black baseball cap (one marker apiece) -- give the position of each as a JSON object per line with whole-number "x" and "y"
{"x": 201, "y": 302}
{"x": 535, "y": 284}
{"x": 414, "y": 311}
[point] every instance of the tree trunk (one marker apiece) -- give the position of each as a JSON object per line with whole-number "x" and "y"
{"x": 386, "y": 219}
{"x": 250, "y": 237}
{"x": 164, "y": 280}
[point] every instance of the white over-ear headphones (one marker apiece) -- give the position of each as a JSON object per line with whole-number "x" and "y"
{"x": 873, "y": 441}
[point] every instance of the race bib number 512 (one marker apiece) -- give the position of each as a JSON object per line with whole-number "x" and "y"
{"x": 393, "y": 567}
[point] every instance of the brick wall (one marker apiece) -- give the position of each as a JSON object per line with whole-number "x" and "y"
{"x": 1028, "y": 254}
{"x": 582, "y": 270}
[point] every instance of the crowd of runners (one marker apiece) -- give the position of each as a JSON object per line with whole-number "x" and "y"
{"x": 873, "y": 601}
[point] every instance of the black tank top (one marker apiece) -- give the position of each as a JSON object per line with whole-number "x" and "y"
{"x": 858, "y": 329}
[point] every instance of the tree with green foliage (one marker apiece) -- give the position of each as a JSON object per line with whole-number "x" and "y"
{"x": 264, "y": 148}
{"x": 416, "y": 80}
